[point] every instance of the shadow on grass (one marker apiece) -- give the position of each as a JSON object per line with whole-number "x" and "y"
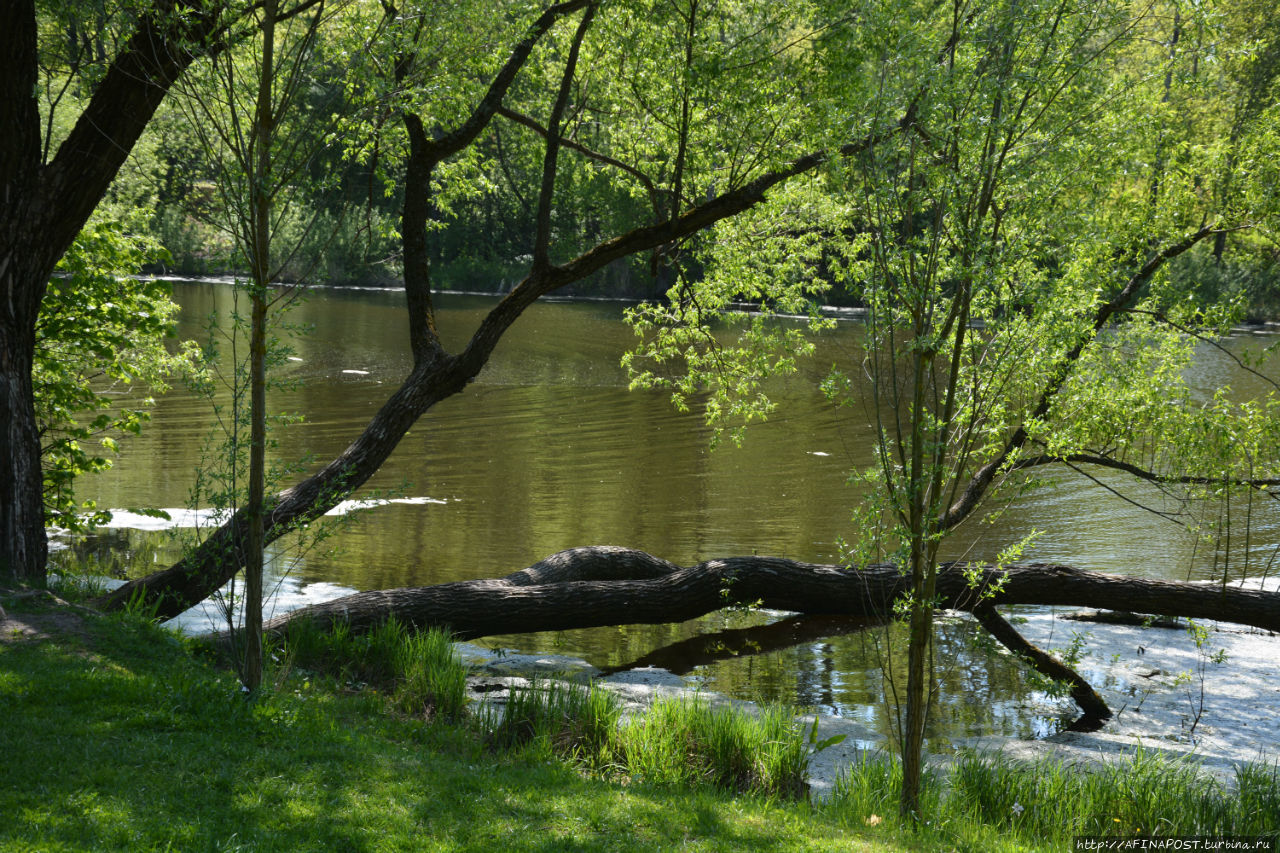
{"x": 120, "y": 740}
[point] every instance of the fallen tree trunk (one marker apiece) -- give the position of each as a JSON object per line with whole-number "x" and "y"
{"x": 605, "y": 585}
{"x": 597, "y": 586}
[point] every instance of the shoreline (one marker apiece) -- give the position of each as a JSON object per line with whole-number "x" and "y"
{"x": 1216, "y": 704}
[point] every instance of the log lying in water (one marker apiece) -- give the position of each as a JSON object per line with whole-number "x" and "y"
{"x": 604, "y": 585}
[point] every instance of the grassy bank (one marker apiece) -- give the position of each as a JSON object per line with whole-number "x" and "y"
{"x": 117, "y": 737}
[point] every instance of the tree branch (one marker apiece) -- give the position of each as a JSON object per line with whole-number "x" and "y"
{"x": 542, "y": 222}
{"x": 606, "y": 585}
{"x": 984, "y": 476}
{"x": 1143, "y": 473}
{"x": 519, "y": 118}
{"x": 466, "y": 133}
{"x": 1095, "y": 709}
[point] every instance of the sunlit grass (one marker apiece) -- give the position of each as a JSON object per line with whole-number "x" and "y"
{"x": 419, "y": 669}
{"x": 982, "y": 802}
{"x": 120, "y": 739}
{"x": 689, "y": 741}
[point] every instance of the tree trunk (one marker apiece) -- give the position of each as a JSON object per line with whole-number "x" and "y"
{"x": 23, "y": 544}
{"x": 24, "y": 274}
{"x": 604, "y": 585}
{"x": 591, "y": 587}
{"x": 43, "y": 206}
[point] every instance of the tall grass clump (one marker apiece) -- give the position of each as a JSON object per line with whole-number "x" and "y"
{"x": 419, "y": 669}
{"x": 1146, "y": 794}
{"x": 868, "y": 791}
{"x": 433, "y": 680}
{"x": 689, "y": 742}
{"x": 573, "y": 721}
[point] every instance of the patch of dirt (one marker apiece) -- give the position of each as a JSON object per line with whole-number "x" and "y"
{"x": 37, "y": 614}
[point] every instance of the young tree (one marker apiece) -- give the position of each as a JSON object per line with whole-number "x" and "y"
{"x": 1013, "y": 272}
{"x": 244, "y": 103}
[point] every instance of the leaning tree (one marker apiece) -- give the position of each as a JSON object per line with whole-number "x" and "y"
{"x": 699, "y": 163}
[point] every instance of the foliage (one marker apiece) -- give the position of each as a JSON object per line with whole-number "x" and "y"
{"x": 689, "y": 741}
{"x": 1008, "y": 241}
{"x": 100, "y": 354}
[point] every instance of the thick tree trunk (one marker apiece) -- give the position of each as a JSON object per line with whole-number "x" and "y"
{"x": 23, "y": 544}
{"x": 23, "y": 547}
{"x": 605, "y": 585}
{"x": 591, "y": 587}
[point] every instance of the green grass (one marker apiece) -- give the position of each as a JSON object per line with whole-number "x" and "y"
{"x": 570, "y": 721}
{"x": 122, "y": 740}
{"x": 420, "y": 670}
{"x": 117, "y": 737}
{"x": 676, "y": 742}
{"x": 982, "y": 803}
{"x": 681, "y": 741}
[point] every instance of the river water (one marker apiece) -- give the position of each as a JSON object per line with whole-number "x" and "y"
{"x": 548, "y": 450}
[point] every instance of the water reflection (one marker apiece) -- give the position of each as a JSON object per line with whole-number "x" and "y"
{"x": 549, "y": 450}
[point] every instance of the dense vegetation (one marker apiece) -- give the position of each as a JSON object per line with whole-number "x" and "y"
{"x": 1042, "y": 207}
{"x": 156, "y": 749}
{"x": 1209, "y": 76}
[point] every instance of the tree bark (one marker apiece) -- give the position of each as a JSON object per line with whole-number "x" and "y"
{"x": 605, "y": 585}
{"x": 23, "y": 544}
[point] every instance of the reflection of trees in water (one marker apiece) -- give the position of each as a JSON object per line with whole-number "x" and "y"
{"x": 834, "y": 664}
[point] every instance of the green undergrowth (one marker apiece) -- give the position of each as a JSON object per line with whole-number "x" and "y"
{"x": 117, "y": 736}
{"x": 1046, "y": 804}
{"x": 676, "y": 742}
{"x": 419, "y": 670}
{"x": 690, "y": 742}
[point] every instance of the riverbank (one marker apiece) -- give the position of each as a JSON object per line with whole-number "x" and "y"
{"x": 1210, "y": 697}
{"x": 117, "y": 737}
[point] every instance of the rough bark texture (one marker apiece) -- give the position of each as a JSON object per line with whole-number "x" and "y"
{"x": 590, "y": 587}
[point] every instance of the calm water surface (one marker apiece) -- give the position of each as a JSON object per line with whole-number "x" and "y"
{"x": 548, "y": 449}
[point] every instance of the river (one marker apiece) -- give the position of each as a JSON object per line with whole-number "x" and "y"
{"x": 548, "y": 449}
